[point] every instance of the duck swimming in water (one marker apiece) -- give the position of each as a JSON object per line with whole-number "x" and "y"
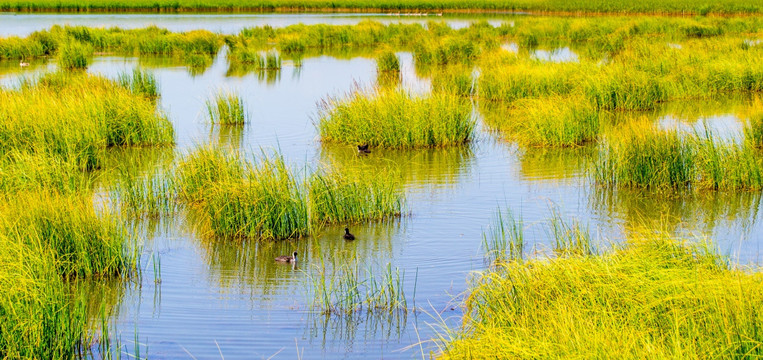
{"x": 347, "y": 235}
{"x": 23, "y": 64}
{"x": 288, "y": 259}
{"x": 363, "y": 149}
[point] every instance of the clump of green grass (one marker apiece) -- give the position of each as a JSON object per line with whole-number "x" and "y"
{"x": 207, "y": 165}
{"x": 570, "y": 236}
{"x": 140, "y": 82}
{"x": 82, "y": 241}
{"x": 22, "y": 172}
{"x": 455, "y": 79}
{"x": 76, "y": 116}
{"x": 47, "y": 240}
{"x": 394, "y": 118}
{"x": 753, "y": 130}
{"x": 643, "y": 156}
{"x": 272, "y": 61}
{"x": 74, "y": 55}
{"x": 255, "y": 58}
{"x": 242, "y": 199}
{"x": 624, "y": 88}
{"x": 726, "y": 164}
{"x": 654, "y": 296}
{"x": 340, "y": 195}
{"x": 39, "y": 319}
{"x": 150, "y": 195}
{"x": 345, "y": 290}
{"x": 387, "y": 61}
{"x": 700, "y": 31}
{"x": 197, "y": 63}
{"x": 529, "y": 80}
{"x": 300, "y": 38}
{"x": 549, "y": 122}
{"x": 226, "y": 108}
{"x": 528, "y": 39}
{"x": 448, "y": 50}
{"x": 504, "y": 238}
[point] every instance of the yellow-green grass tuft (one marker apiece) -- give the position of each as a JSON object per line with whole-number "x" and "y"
{"x": 387, "y": 61}
{"x": 76, "y": 116}
{"x": 237, "y": 198}
{"x": 346, "y": 196}
{"x": 654, "y": 297}
{"x": 226, "y": 108}
{"x": 74, "y": 55}
{"x": 546, "y": 122}
{"x": 395, "y": 118}
{"x": 642, "y": 156}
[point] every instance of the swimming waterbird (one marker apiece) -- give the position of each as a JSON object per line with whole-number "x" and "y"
{"x": 363, "y": 149}
{"x": 287, "y": 259}
{"x": 347, "y": 235}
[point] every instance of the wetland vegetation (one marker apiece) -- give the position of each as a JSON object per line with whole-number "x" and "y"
{"x": 71, "y": 203}
{"x": 541, "y": 6}
{"x": 653, "y": 295}
{"x": 55, "y": 129}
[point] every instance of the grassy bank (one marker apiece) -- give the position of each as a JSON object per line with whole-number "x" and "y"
{"x": 596, "y": 6}
{"x": 654, "y": 297}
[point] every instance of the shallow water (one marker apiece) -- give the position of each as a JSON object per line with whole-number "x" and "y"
{"x": 220, "y": 298}
{"x": 21, "y": 24}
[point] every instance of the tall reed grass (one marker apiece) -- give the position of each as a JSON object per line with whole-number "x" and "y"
{"x": 82, "y": 241}
{"x": 529, "y": 80}
{"x": 571, "y": 238}
{"x": 504, "y": 239}
{"x": 22, "y": 172}
{"x": 47, "y": 240}
{"x": 654, "y": 296}
{"x": 643, "y": 156}
{"x": 152, "y": 194}
{"x": 255, "y": 58}
{"x": 387, "y": 61}
{"x": 295, "y": 39}
{"x": 394, "y": 118}
{"x": 38, "y": 318}
{"x": 623, "y": 88}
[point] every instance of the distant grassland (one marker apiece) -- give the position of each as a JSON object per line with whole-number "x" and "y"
{"x": 555, "y": 6}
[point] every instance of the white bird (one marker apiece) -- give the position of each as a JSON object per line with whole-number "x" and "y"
{"x": 23, "y": 64}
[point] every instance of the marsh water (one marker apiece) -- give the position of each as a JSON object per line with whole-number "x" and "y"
{"x": 201, "y": 297}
